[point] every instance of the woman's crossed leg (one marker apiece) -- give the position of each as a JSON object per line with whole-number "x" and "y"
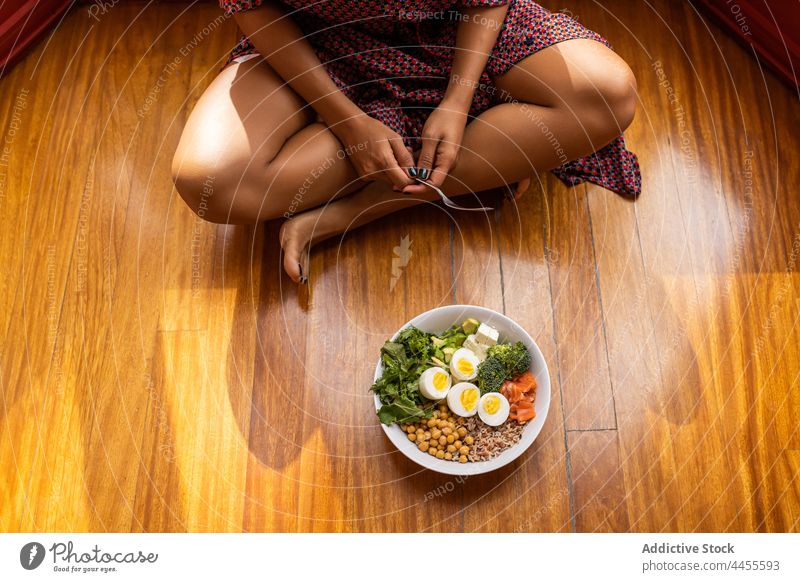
{"x": 264, "y": 153}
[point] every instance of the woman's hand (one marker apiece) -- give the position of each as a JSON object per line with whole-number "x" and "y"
{"x": 377, "y": 152}
{"x": 441, "y": 142}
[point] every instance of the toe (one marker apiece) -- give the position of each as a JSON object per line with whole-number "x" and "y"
{"x": 522, "y": 187}
{"x": 292, "y": 268}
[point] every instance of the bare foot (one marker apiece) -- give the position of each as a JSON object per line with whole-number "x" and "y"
{"x": 295, "y": 236}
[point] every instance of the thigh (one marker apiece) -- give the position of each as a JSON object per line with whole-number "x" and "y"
{"x": 567, "y": 73}
{"x": 243, "y": 118}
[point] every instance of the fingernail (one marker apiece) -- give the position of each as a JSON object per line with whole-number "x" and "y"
{"x": 423, "y": 173}
{"x": 412, "y": 172}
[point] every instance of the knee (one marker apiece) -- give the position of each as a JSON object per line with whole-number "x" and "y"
{"x": 207, "y": 186}
{"x": 612, "y": 96}
{"x": 621, "y": 96}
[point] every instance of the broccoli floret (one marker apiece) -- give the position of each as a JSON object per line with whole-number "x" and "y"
{"x": 515, "y": 358}
{"x": 491, "y": 374}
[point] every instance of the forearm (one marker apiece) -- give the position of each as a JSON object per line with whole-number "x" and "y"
{"x": 276, "y": 36}
{"x": 475, "y": 39}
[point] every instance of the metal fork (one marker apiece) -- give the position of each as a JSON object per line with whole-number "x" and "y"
{"x": 447, "y": 201}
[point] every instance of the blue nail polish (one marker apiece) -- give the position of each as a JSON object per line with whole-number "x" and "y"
{"x": 423, "y": 173}
{"x": 412, "y": 172}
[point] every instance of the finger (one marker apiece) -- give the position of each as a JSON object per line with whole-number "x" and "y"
{"x": 427, "y": 157}
{"x": 398, "y": 177}
{"x": 404, "y": 158}
{"x": 445, "y": 160}
{"x": 419, "y": 190}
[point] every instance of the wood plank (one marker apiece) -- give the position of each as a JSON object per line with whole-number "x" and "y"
{"x": 531, "y": 494}
{"x": 598, "y": 481}
{"x": 583, "y": 365}
{"x": 278, "y": 385}
{"x": 668, "y": 219}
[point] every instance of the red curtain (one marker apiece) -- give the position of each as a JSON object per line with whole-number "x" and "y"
{"x": 771, "y": 27}
{"x": 22, "y": 22}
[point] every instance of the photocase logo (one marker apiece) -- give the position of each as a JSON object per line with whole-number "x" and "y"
{"x": 402, "y": 256}
{"x": 31, "y": 555}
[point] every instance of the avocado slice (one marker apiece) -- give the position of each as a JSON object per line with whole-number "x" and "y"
{"x": 470, "y": 325}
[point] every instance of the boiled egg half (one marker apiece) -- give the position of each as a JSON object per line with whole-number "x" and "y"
{"x": 463, "y": 399}
{"x": 434, "y": 383}
{"x": 464, "y": 364}
{"x": 493, "y": 408}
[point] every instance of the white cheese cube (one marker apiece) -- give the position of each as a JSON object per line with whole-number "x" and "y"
{"x": 478, "y": 349}
{"x": 486, "y": 335}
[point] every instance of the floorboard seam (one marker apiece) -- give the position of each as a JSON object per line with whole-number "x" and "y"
{"x": 592, "y": 429}
{"x": 600, "y": 302}
{"x": 453, "y": 260}
{"x": 500, "y": 262}
{"x": 567, "y": 458}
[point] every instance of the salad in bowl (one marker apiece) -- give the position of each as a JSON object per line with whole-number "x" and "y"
{"x": 461, "y": 389}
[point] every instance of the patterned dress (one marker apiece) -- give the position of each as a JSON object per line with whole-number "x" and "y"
{"x": 393, "y": 57}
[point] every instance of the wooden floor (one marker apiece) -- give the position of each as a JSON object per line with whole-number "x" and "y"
{"x": 158, "y": 373}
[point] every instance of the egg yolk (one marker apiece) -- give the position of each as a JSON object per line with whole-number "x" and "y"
{"x": 468, "y": 398}
{"x": 465, "y": 367}
{"x": 440, "y": 381}
{"x": 491, "y": 405}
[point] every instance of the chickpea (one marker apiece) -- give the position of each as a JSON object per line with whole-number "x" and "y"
{"x": 423, "y": 446}
{"x": 432, "y": 422}
{"x": 410, "y": 429}
{"x": 412, "y": 437}
{"x": 436, "y": 433}
{"x": 432, "y": 452}
{"x": 442, "y": 440}
{"x": 426, "y": 435}
{"x": 469, "y": 440}
{"x": 448, "y": 456}
{"x": 451, "y": 448}
{"x": 451, "y": 439}
{"x": 462, "y": 432}
{"x": 440, "y": 454}
{"x": 458, "y": 444}
{"x": 443, "y": 407}
{"x": 462, "y": 459}
{"x": 463, "y": 450}
{"x": 447, "y": 430}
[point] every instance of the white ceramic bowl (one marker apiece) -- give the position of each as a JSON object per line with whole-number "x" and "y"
{"x": 440, "y": 319}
